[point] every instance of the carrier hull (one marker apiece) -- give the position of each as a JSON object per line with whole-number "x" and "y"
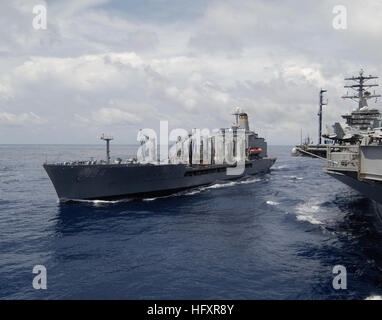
{"x": 367, "y": 188}
{"x": 117, "y": 181}
{"x": 372, "y": 190}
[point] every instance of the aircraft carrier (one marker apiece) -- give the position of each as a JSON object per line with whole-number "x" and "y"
{"x": 357, "y": 123}
{"x": 135, "y": 178}
{"x": 359, "y": 166}
{"x": 356, "y": 156}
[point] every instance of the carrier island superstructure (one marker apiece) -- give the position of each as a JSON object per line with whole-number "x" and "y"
{"x": 357, "y": 123}
{"x": 132, "y": 178}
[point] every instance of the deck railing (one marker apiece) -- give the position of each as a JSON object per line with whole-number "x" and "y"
{"x": 344, "y": 158}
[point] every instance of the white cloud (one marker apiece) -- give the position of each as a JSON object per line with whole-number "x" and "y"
{"x": 110, "y": 116}
{"x": 86, "y": 72}
{"x": 100, "y": 67}
{"x": 6, "y": 91}
{"x": 23, "y": 119}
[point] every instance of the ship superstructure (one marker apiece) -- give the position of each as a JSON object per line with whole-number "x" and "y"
{"x": 357, "y": 123}
{"x": 363, "y": 118}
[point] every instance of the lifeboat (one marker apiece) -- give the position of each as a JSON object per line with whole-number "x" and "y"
{"x": 255, "y": 150}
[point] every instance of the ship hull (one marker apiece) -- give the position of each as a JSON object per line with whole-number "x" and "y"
{"x": 372, "y": 190}
{"x": 117, "y": 181}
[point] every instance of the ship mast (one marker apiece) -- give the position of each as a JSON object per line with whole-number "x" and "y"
{"x": 360, "y": 87}
{"x": 107, "y": 139}
{"x": 322, "y": 103}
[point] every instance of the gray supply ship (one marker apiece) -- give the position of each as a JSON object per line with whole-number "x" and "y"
{"x": 107, "y": 180}
{"x": 356, "y": 156}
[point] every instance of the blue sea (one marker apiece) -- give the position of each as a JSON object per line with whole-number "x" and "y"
{"x": 275, "y": 236}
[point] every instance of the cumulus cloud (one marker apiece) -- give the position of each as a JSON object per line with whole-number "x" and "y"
{"x": 114, "y": 116}
{"x": 117, "y": 66}
{"x": 89, "y": 72}
{"x": 23, "y": 119}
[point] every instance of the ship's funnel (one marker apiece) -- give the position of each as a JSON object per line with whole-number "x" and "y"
{"x": 243, "y": 121}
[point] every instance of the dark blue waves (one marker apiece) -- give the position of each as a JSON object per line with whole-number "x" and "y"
{"x": 276, "y": 236}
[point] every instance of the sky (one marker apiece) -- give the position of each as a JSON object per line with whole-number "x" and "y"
{"x": 114, "y": 67}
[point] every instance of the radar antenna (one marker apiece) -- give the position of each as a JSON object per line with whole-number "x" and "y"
{"x": 360, "y": 86}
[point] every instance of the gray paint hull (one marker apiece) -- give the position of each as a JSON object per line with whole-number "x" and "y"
{"x": 114, "y": 181}
{"x": 372, "y": 190}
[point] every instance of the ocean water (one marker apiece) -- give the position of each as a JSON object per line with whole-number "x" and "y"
{"x": 276, "y": 236}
